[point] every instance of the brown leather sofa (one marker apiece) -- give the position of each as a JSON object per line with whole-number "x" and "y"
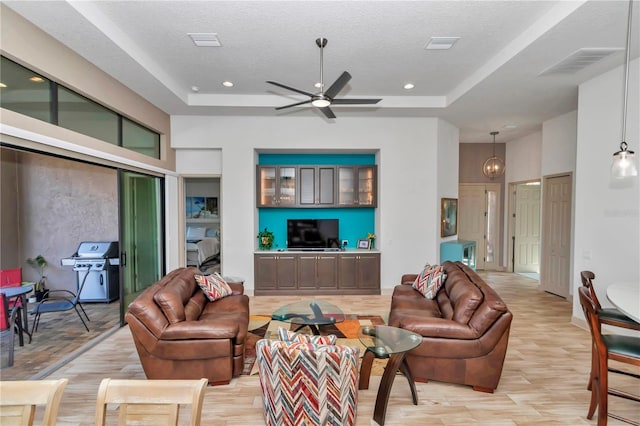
{"x": 180, "y": 334}
{"x": 465, "y": 329}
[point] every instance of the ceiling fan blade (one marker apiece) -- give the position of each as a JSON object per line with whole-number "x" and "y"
{"x": 302, "y": 92}
{"x": 296, "y": 104}
{"x": 354, "y": 101}
{"x": 338, "y": 85}
{"x": 327, "y": 112}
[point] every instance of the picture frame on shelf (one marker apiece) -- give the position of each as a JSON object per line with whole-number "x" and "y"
{"x": 449, "y": 217}
{"x": 364, "y": 243}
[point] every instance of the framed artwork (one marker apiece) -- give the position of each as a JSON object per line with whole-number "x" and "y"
{"x": 201, "y": 207}
{"x": 364, "y": 244}
{"x": 449, "y": 217}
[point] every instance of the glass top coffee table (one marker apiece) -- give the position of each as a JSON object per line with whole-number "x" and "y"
{"x": 382, "y": 341}
{"x": 309, "y": 313}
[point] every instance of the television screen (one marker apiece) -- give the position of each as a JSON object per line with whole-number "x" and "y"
{"x": 312, "y": 233}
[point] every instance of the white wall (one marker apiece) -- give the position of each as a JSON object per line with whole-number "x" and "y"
{"x": 607, "y": 224}
{"x": 559, "y": 139}
{"x": 408, "y": 177}
{"x": 524, "y": 158}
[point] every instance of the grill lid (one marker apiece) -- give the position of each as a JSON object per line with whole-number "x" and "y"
{"x": 97, "y": 249}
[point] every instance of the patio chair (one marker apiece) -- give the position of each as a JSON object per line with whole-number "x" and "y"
{"x": 59, "y": 301}
{"x": 18, "y": 400}
{"x": 150, "y": 402}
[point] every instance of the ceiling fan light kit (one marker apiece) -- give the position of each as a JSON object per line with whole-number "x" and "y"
{"x": 325, "y": 98}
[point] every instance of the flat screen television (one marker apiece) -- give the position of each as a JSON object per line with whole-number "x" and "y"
{"x": 312, "y": 233}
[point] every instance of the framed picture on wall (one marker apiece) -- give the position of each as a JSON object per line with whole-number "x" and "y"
{"x": 449, "y": 217}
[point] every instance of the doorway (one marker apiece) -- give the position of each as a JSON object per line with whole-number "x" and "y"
{"x": 524, "y": 228}
{"x": 203, "y": 206}
{"x": 479, "y": 221}
{"x": 555, "y": 264}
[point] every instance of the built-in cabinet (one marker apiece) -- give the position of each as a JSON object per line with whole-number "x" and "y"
{"x": 317, "y": 186}
{"x": 301, "y": 273}
{"x": 276, "y": 186}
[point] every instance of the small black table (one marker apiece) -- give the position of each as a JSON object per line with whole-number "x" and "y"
{"x": 309, "y": 313}
{"x": 382, "y": 342}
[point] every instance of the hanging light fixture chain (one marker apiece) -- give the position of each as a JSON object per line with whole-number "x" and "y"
{"x": 626, "y": 79}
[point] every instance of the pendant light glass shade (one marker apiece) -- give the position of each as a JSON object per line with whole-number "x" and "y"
{"x": 493, "y": 167}
{"x": 624, "y": 162}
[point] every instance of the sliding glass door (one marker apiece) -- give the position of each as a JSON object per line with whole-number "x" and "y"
{"x": 141, "y": 236}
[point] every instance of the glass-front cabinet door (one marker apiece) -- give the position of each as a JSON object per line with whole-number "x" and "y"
{"x": 276, "y": 186}
{"x": 366, "y": 186}
{"x": 357, "y": 186}
{"x": 287, "y": 186}
{"x": 317, "y": 186}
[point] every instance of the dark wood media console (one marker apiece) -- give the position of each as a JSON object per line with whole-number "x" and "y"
{"x": 316, "y": 272}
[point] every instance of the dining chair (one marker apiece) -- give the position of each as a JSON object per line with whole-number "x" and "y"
{"x": 609, "y": 316}
{"x": 621, "y": 348}
{"x": 9, "y": 278}
{"x": 18, "y": 400}
{"x": 7, "y": 334}
{"x": 150, "y": 402}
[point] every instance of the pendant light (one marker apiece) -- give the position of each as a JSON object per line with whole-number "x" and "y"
{"x": 624, "y": 160}
{"x": 493, "y": 167}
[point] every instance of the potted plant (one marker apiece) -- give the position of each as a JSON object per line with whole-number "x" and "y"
{"x": 39, "y": 263}
{"x": 265, "y": 239}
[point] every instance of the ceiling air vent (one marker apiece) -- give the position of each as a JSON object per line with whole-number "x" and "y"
{"x": 441, "y": 43}
{"x": 580, "y": 59}
{"x": 205, "y": 39}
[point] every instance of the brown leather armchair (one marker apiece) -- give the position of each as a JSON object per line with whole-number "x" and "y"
{"x": 465, "y": 329}
{"x": 180, "y": 334}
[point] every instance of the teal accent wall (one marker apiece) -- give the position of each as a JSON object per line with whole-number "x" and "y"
{"x": 354, "y": 223}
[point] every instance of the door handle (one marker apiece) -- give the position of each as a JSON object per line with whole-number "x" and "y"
{"x": 123, "y": 258}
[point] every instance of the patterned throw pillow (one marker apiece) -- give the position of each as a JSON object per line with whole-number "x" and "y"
{"x": 213, "y": 286}
{"x": 292, "y": 337}
{"x": 430, "y": 280}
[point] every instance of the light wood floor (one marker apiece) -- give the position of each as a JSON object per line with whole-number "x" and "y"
{"x": 543, "y": 382}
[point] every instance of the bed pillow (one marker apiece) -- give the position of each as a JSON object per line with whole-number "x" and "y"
{"x": 211, "y": 233}
{"x": 196, "y": 232}
{"x": 430, "y": 280}
{"x": 213, "y": 286}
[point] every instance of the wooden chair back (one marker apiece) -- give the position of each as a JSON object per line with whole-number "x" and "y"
{"x": 18, "y": 400}
{"x": 150, "y": 402}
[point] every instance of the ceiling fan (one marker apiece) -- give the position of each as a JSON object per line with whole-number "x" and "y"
{"x": 323, "y": 99}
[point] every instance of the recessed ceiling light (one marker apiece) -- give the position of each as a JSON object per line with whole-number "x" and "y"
{"x": 318, "y": 85}
{"x": 441, "y": 43}
{"x": 36, "y": 79}
{"x": 205, "y": 39}
{"x": 409, "y": 86}
{"x": 2, "y": 85}
{"x": 227, "y": 84}
{"x": 195, "y": 89}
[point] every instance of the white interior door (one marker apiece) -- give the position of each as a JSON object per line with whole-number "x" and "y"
{"x": 526, "y": 255}
{"x": 556, "y": 235}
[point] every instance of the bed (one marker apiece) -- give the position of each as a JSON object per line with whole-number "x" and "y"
{"x": 203, "y": 244}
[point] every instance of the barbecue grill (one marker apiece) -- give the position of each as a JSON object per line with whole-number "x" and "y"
{"x": 96, "y": 264}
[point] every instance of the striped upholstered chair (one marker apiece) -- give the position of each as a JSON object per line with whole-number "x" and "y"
{"x": 306, "y": 384}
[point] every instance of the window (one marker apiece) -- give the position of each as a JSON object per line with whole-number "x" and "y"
{"x": 84, "y": 116}
{"x": 23, "y": 91}
{"x": 26, "y": 92}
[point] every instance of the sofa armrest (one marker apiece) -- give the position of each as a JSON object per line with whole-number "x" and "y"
{"x": 201, "y": 329}
{"x": 238, "y": 288}
{"x": 439, "y": 327}
{"x": 408, "y": 278}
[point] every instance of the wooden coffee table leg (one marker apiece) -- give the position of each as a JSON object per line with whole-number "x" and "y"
{"x": 404, "y": 367}
{"x": 365, "y": 369}
{"x": 382, "y": 399}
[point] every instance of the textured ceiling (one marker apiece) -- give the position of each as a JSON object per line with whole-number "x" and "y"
{"x": 489, "y": 79}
